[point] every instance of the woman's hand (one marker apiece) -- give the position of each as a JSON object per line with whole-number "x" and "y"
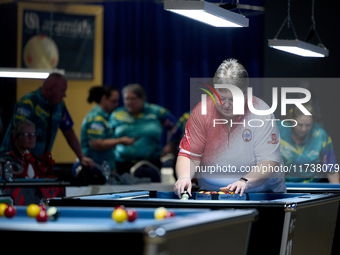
{"x": 183, "y": 183}
{"x": 239, "y": 186}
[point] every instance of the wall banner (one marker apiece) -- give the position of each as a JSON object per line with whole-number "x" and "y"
{"x": 52, "y": 39}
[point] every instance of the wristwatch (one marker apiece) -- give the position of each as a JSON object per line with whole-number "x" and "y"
{"x": 245, "y": 180}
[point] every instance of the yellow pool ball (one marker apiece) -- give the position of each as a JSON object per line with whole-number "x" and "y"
{"x": 33, "y": 210}
{"x": 119, "y": 215}
{"x": 3, "y": 207}
{"x": 160, "y": 213}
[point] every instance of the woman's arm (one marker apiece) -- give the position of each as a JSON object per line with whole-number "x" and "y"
{"x": 107, "y": 144}
{"x": 185, "y": 169}
{"x": 255, "y": 178}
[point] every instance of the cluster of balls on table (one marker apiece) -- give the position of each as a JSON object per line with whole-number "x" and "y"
{"x": 43, "y": 214}
{"x": 40, "y": 212}
{"x": 185, "y": 195}
{"x": 121, "y": 214}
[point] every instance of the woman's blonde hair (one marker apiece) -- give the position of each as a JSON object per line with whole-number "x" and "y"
{"x": 20, "y": 127}
{"x": 296, "y": 112}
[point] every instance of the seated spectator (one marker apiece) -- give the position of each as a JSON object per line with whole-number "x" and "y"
{"x": 46, "y": 108}
{"x": 97, "y": 138}
{"x": 307, "y": 147}
{"x": 25, "y": 164}
{"x": 144, "y": 123}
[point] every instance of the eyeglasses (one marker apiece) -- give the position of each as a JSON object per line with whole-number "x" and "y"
{"x": 27, "y": 135}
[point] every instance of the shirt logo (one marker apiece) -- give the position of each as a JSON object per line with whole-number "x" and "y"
{"x": 274, "y": 140}
{"x": 96, "y": 126}
{"x": 312, "y": 154}
{"x": 23, "y": 112}
{"x": 247, "y": 135}
{"x": 151, "y": 116}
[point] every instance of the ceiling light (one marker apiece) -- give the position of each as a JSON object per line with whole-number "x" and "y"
{"x": 296, "y": 46}
{"x": 299, "y": 48}
{"x": 207, "y": 13}
{"x": 28, "y": 73}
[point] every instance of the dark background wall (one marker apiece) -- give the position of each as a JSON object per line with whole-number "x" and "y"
{"x": 143, "y": 43}
{"x": 8, "y": 50}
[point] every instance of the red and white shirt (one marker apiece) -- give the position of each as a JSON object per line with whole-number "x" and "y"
{"x": 225, "y": 155}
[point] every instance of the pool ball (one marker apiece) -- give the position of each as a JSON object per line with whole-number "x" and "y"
{"x": 185, "y": 197}
{"x": 120, "y": 206}
{"x": 132, "y": 215}
{"x": 10, "y": 211}
{"x": 53, "y": 213}
{"x": 170, "y": 214}
{"x": 42, "y": 207}
{"x": 33, "y": 210}
{"x": 42, "y": 216}
{"x": 160, "y": 213}
{"x": 119, "y": 215}
{"x": 3, "y": 207}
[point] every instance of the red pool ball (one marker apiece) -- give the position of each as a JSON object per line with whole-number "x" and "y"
{"x": 169, "y": 214}
{"x": 132, "y": 215}
{"x": 10, "y": 211}
{"x": 42, "y": 207}
{"x": 42, "y": 216}
{"x": 120, "y": 207}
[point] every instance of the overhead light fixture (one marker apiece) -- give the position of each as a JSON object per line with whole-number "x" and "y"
{"x": 296, "y": 46}
{"x": 299, "y": 48}
{"x": 207, "y": 13}
{"x": 28, "y": 73}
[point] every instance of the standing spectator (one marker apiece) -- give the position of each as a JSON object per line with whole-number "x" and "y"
{"x": 97, "y": 138}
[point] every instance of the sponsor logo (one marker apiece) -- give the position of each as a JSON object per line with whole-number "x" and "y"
{"x": 274, "y": 139}
{"x": 247, "y": 135}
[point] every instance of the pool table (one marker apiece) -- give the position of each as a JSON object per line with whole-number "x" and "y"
{"x": 27, "y": 191}
{"x": 296, "y": 223}
{"x": 190, "y": 231}
{"x": 312, "y": 187}
{"x": 319, "y": 188}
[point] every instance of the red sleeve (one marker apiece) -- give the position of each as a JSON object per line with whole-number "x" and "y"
{"x": 193, "y": 142}
{"x": 184, "y": 146}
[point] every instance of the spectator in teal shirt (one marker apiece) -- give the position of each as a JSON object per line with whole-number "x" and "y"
{"x": 143, "y": 122}
{"x": 97, "y": 138}
{"x": 308, "y": 148}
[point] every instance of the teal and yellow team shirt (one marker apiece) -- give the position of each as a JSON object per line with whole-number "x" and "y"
{"x": 35, "y": 107}
{"x": 178, "y": 133}
{"x": 146, "y": 128}
{"x": 309, "y": 160}
{"x": 95, "y": 126}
